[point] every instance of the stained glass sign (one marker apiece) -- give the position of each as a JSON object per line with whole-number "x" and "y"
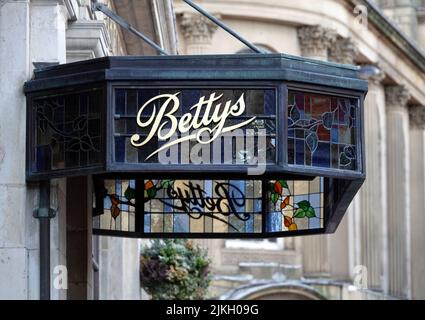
{"x": 202, "y": 146}
{"x": 199, "y": 207}
{"x": 195, "y": 125}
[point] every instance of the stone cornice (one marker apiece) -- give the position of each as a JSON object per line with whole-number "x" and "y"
{"x": 396, "y": 96}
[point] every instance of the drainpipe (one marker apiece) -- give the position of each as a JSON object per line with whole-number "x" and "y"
{"x": 44, "y": 213}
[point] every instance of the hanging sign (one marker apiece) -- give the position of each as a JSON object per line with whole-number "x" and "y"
{"x": 202, "y": 146}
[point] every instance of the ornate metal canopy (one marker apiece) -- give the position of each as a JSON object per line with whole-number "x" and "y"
{"x": 202, "y": 146}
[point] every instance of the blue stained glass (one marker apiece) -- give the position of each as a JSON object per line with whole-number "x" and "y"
{"x": 249, "y": 225}
{"x": 299, "y": 198}
{"x": 119, "y": 149}
{"x": 321, "y": 157}
{"x": 124, "y": 207}
{"x": 299, "y": 152}
{"x": 274, "y": 221}
{"x": 291, "y": 133}
{"x": 291, "y": 148}
{"x": 118, "y": 188}
{"x": 107, "y": 202}
{"x": 208, "y": 187}
{"x": 119, "y": 101}
{"x": 132, "y": 107}
{"x": 168, "y": 206}
{"x": 43, "y": 156}
{"x": 240, "y": 184}
{"x": 144, "y": 96}
{"x": 314, "y": 223}
{"x": 269, "y": 102}
{"x": 181, "y": 223}
{"x": 147, "y": 222}
{"x": 257, "y": 205}
{"x": 334, "y": 134}
{"x": 189, "y": 99}
{"x": 315, "y": 200}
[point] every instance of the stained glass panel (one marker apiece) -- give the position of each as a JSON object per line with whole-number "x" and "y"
{"x": 202, "y": 206}
{"x": 68, "y": 131}
{"x": 210, "y": 206}
{"x": 322, "y": 130}
{"x": 119, "y": 206}
{"x": 138, "y": 139}
{"x": 295, "y": 205}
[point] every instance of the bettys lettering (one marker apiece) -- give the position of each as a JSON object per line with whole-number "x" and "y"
{"x": 164, "y": 124}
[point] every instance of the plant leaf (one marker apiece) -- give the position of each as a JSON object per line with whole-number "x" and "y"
{"x": 275, "y": 197}
{"x": 327, "y": 118}
{"x": 312, "y": 141}
{"x": 166, "y": 183}
{"x": 151, "y": 192}
{"x": 310, "y": 213}
{"x": 300, "y": 213}
{"x": 130, "y": 193}
{"x": 284, "y": 184}
{"x": 304, "y": 204}
{"x": 295, "y": 114}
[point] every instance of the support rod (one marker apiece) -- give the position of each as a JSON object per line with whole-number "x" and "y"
{"x": 223, "y": 26}
{"x": 44, "y": 242}
{"x": 126, "y": 25}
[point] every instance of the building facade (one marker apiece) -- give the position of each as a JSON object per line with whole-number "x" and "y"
{"x": 34, "y": 33}
{"x": 376, "y": 252}
{"x": 378, "y": 243}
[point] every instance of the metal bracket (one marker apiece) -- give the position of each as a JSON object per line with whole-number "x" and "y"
{"x": 44, "y": 213}
{"x": 126, "y": 25}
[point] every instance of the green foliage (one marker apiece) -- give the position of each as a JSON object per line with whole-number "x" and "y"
{"x": 174, "y": 269}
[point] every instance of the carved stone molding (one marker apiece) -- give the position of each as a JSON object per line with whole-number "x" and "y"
{"x": 315, "y": 41}
{"x": 87, "y": 39}
{"x": 344, "y": 50}
{"x": 196, "y": 28}
{"x": 417, "y": 117}
{"x": 396, "y": 96}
